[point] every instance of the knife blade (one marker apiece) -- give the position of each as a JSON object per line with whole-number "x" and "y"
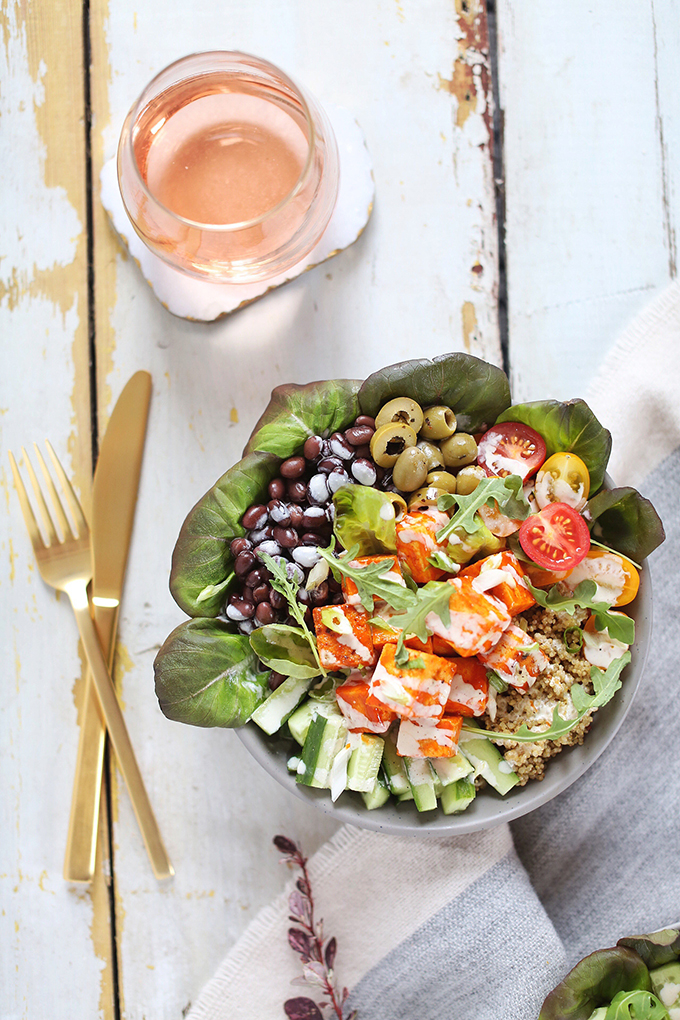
{"x": 114, "y": 497}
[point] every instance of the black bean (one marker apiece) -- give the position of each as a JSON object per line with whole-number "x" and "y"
{"x": 340, "y": 447}
{"x": 247, "y": 595}
{"x": 365, "y": 419}
{"x": 277, "y": 488}
{"x": 337, "y": 479}
{"x": 320, "y": 593}
{"x": 297, "y": 491}
{"x": 296, "y": 515}
{"x": 306, "y": 555}
{"x": 238, "y": 609}
{"x": 313, "y": 447}
{"x": 364, "y": 471}
{"x": 286, "y": 537}
{"x": 275, "y": 680}
{"x": 261, "y": 534}
{"x": 363, "y": 451}
{"x": 311, "y": 538}
{"x": 270, "y": 547}
{"x": 329, "y": 464}
{"x": 314, "y": 517}
{"x": 359, "y": 435}
{"x": 239, "y": 545}
{"x": 244, "y": 562}
{"x": 279, "y": 512}
{"x": 317, "y": 489}
{"x": 255, "y": 517}
{"x": 261, "y": 593}
{"x": 255, "y": 577}
{"x": 277, "y": 600}
{"x": 293, "y": 467}
{"x": 264, "y": 613}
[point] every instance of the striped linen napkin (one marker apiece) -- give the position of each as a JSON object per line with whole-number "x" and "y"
{"x": 482, "y": 926}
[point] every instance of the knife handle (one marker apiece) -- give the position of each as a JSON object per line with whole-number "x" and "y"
{"x": 81, "y": 842}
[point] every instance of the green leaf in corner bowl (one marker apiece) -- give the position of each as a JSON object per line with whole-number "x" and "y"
{"x": 657, "y": 949}
{"x": 201, "y": 560}
{"x": 626, "y": 521}
{"x": 294, "y": 413}
{"x": 476, "y": 391}
{"x": 594, "y": 982}
{"x": 206, "y": 675}
{"x": 569, "y": 427}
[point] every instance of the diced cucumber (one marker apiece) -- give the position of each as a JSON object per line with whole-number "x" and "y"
{"x": 272, "y": 713}
{"x": 405, "y": 796}
{"x": 325, "y": 738}
{"x": 666, "y": 984}
{"x": 450, "y": 770}
{"x": 299, "y": 721}
{"x": 438, "y": 785}
{"x": 421, "y": 779}
{"x": 393, "y": 766}
{"x": 378, "y": 796}
{"x": 488, "y": 762}
{"x": 364, "y": 763}
{"x": 457, "y": 796}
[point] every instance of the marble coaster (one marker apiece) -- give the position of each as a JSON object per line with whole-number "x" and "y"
{"x": 191, "y": 298}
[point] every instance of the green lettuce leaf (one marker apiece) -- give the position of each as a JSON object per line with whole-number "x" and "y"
{"x": 294, "y": 413}
{"x": 286, "y": 650}
{"x": 365, "y": 517}
{"x": 657, "y": 949}
{"x": 202, "y": 561}
{"x": 625, "y": 520}
{"x": 569, "y": 427}
{"x": 476, "y": 391}
{"x": 207, "y": 676}
{"x": 594, "y": 982}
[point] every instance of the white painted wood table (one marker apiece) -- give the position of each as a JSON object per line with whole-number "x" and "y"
{"x": 587, "y": 180}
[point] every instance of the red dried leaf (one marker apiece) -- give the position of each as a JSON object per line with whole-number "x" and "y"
{"x": 303, "y": 887}
{"x": 301, "y": 943}
{"x": 297, "y": 905}
{"x": 302, "y": 1009}
{"x": 329, "y": 953}
{"x": 285, "y": 845}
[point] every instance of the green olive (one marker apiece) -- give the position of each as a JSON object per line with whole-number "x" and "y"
{"x": 459, "y": 450}
{"x": 389, "y": 441}
{"x": 433, "y": 453}
{"x": 410, "y": 470}
{"x": 469, "y": 478}
{"x": 438, "y": 423}
{"x": 427, "y": 496}
{"x": 401, "y": 409}
{"x": 399, "y": 504}
{"x": 443, "y": 480}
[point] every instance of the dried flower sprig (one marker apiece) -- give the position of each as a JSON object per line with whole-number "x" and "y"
{"x": 317, "y": 955}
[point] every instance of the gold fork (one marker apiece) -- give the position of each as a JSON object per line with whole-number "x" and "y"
{"x": 66, "y": 564}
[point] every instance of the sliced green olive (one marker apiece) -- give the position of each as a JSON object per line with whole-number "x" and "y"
{"x": 401, "y": 409}
{"x": 399, "y": 504}
{"x": 433, "y": 453}
{"x": 389, "y": 442}
{"x": 439, "y": 422}
{"x": 410, "y": 469}
{"x": 443, "y": 480}
{"x": 427, "y": 496}
{"x": 468, "y": 478}
{"x": 459, "y": 450}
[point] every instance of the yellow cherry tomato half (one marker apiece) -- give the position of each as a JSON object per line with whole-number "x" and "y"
{"x": 563, "y": 478}
{"x": 616, "y": 578}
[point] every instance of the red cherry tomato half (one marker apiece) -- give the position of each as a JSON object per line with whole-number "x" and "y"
{"x": 556, "y": 538}
{"x": 511, "y": 449}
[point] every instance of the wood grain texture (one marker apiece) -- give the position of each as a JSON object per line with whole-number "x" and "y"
{"x": 48, "y": 931}
{"x": 592, "y": 150}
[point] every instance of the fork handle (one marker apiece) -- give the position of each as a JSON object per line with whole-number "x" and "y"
{"x": 118, "y": 734}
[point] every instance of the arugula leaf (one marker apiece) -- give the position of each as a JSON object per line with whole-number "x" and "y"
{"x": 433, "y": 597}
{"x": 506, "y": 493}
{"x": 368, "y": 579}
{"x": 636, "y": 1005}
{"x": 606, "y": 683}
{"x": 618, "y": 626}
{"x": 417, "y": 663}
{"x": 285, "y": 586}
{"x": 285, "y": 649}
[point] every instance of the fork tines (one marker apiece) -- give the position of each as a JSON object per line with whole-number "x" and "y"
{"x": 63, "y": 523}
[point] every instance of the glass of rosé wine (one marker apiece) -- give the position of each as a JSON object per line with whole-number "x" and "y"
{"x": 228, "y": 169}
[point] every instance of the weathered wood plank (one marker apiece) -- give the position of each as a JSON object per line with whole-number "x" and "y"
{"x": 56, "y": 940}
{"x": 420, "y": 281}
{"x": 592, "y": 158}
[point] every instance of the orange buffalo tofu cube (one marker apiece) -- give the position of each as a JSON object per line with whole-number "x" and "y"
{"x": 352, "y": 702}
{"x": 343, "y": 637}
{"x": 503, "y": 576}
{"x": 425, "y": 740}
{"x": 469, "y": 688}
{"x": 416, "y": 541}
{"x": 417, "y": 690}
{"x": 516, "y": 658}
{"x": 392, "y": 573}
{"x": 477, "y": 619}
{"x": 385, "y": 632}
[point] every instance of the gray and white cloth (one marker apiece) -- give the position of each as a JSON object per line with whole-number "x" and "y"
{"x": 481, "y": 927}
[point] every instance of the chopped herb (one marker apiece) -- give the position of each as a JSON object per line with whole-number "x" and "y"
{"x": 573, "y": 639}
{"x": 417, "y": 663}
{"x": 496, "y": 681}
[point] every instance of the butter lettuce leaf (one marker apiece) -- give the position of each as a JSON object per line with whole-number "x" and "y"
{"x": 366, "y": 518}
{"x": 286, "y": 650}
{"x": 206, "y": 675}
{"x": 294, "y": 413}
{"x": 626, "y": 521}
{"x": 475, "y": 391}
{"x": 201, "y": 560}
{"x": 569, "y": 427}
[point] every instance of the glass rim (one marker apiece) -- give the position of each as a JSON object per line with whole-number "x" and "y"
{"x": 247, "y": 61}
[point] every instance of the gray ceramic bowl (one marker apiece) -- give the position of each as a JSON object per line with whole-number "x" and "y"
{"x": 488, "y": 808}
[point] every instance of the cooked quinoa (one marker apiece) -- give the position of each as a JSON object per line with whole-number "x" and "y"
{"x": 550, "y": 689}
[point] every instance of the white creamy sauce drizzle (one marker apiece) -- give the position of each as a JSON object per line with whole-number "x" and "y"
{"x": 601, "y": 650}
{"x": 463, "y": 693}
{"x": 553, "y": 489}
{"x": 356, "y": 720}
{"x": 505, "y": 766}
{"x": 352, "y": 642}
{"x": 491, "y": 704}
{"x": 543, "y": 709}
{"x": 487, "y": 579}
{"x": 411, "y": 733}
{"x": 386, "y": 512}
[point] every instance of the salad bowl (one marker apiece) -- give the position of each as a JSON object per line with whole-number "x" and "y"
{"x": 208, "y": 675}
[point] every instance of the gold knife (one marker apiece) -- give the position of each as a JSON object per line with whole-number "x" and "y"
{"x": 114, "y": 495}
